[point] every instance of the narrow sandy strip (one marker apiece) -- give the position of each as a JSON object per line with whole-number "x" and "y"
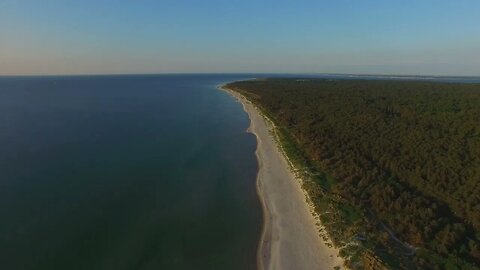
{"x": 290, "y": 238}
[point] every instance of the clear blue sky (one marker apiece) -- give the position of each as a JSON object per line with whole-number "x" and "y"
{"x": 436, "y": 37}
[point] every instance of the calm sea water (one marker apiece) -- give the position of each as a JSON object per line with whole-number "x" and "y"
{"x": 126, "y": 172}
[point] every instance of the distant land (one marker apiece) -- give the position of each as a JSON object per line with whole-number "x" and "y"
{"x": 348, "y": 76}
{"x": 392, "y": 166}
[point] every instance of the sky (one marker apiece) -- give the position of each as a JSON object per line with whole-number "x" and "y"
{"x": 409, "y": 37}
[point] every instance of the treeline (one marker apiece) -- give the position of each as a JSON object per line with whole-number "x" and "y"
{"x": 407, "y": 152}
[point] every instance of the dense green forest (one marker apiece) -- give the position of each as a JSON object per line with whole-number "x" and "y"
{"x": 399, "y": 160}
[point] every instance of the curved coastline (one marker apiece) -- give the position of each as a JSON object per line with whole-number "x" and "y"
{"x": 290, "y": 235}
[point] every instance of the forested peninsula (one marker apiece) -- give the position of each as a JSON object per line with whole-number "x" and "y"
{"x": 392, "y": 167}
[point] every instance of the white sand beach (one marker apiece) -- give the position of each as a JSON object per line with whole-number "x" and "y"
{"x": 291, "y": 238}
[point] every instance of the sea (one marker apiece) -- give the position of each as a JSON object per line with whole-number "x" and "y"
{"x": 130, "y": 172}
{"x": 126, "y": 172}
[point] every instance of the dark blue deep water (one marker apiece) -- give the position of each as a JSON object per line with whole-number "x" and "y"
{"x": 126, "y": 172}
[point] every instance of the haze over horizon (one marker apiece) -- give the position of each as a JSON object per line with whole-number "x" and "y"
{"x": 212, "y": 36}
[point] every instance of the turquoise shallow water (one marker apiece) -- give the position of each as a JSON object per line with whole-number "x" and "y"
{"x": 126, "y": 172}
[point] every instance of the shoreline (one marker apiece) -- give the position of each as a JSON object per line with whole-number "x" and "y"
{"x": 290, "y": 236}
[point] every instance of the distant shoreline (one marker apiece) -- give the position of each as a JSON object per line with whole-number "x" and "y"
{"x": 340, "y": 76}
{"x": 290, "y": 236}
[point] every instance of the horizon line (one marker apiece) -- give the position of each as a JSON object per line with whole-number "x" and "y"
{"x": 242, "y": 73}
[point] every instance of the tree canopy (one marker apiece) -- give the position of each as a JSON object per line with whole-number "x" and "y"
{"x": 406, "y": 151}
